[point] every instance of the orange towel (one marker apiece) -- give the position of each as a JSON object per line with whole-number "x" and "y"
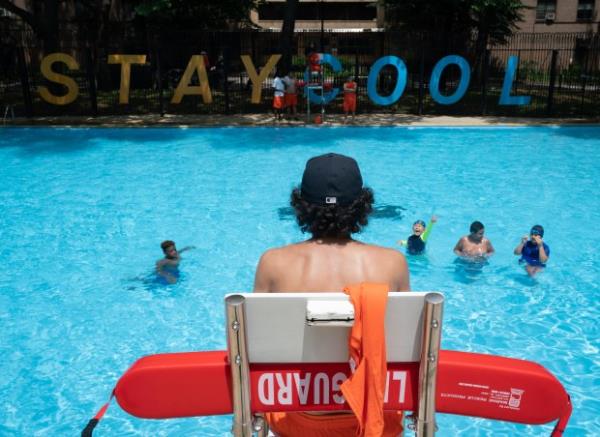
{"x": 365, "y": 388}
{"x": 327, "y": 425}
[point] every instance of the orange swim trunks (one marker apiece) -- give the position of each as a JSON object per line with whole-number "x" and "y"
{"x": 327, "y": 425}
{"x": 291, "y": 100}
{"x": 349, "y": 102}
{"x": 278, "y": 102}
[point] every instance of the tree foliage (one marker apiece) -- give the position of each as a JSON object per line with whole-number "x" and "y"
{"x": 44, "y": 17}
{"x": 204, "y": 14}
{"x": 496, "y": 20}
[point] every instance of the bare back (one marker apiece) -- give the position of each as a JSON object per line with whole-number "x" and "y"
{"x": 320, "y": 265}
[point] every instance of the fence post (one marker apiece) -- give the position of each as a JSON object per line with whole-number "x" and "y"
{"x": 421, "y": 80}
{"x": 356, "y": 75}
{"x": 226, "y": 78}
{"x": 91, "y": 78}
{"x": 484, "y": 79}
{"x": 25, "y": 82}
{"x": 583, "y": 83}
{"x": 158, "y": 74}
{"x": 551, "y": 85}
{"x": 517, "y": 73}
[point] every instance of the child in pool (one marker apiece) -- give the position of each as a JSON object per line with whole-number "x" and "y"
{"x": 415, "y": 245}
{"x": 167, "y": 268}
{"x": 534, "y": 252}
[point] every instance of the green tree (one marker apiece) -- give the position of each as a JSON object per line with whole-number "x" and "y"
{"x": 44, "y": 17}
{"x": 495, "y": 20}
{"x": 205, "y": 14}
{"x": 453, "y": 23}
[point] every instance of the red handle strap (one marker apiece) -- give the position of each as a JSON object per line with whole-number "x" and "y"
{"x": 561, "y": 425}
{"x": 89, "y": 429}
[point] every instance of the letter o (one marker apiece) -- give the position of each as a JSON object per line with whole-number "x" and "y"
{"x": 395, "y": 62}
{"x": 436, "y": 74}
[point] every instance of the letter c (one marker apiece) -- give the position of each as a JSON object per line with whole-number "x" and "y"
{"x": 326, "y": 58}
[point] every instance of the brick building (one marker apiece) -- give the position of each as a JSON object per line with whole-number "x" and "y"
{"x": 544, "y": 16}
{"x": 559, "y": 16}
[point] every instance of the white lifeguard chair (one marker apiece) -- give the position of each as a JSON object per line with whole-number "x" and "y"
{"x": 314, "y": 328}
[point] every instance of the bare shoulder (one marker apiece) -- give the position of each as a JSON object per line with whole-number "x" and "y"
{"x": 385, "y": 253}
{"x": 271, "y": 263}
{"x": 269, "y": 257}
{"x": 392, "y": 266}
{"x": 277, "y": 256}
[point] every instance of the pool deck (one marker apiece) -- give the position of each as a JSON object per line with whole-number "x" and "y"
{"x": 375, "y": 119}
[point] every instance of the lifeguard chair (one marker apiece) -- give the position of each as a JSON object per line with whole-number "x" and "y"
{"x": 310, "y": 332}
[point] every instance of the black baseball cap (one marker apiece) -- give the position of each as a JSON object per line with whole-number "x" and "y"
{"x": 331, "y": 179}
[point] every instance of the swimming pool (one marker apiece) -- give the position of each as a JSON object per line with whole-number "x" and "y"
{"x": 83, "y": 211}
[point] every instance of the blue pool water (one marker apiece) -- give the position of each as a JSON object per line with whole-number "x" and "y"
{"x": 82, "y": 213}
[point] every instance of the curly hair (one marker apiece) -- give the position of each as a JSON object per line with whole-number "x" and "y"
{"x": 336, "y": 221}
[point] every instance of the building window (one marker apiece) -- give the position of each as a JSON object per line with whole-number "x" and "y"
{"x": 314, "y": 11}
{"x": 585, "y": 10}
{"x": 544, "y": 7}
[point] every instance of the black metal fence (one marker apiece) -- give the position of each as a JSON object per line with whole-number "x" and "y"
{"x": 561, "y": 72}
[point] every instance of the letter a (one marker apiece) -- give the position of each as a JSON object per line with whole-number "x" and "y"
{"x": 196, "y": 64}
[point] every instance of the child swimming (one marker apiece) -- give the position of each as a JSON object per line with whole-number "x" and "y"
{"x": 534, "y": 252}
{"x": 415, "y": 245}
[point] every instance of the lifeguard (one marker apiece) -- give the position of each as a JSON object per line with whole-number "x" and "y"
{"x": 350, "y": 97}
{"x": 291, "y": 94}
{"x": 278, "y": 96}
{"x": 314, "y": 66}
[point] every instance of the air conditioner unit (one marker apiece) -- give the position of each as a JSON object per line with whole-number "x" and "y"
{"x": 550, "y": 16}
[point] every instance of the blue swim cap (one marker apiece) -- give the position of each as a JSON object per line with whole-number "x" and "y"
{"x": 420, "y": 222}
{"x": 537, "y": 230}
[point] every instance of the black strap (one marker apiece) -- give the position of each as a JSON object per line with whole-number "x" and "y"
{"x": 89, "y": 429}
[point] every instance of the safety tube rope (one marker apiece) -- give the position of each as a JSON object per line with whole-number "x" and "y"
{"x": 89, "y": 429}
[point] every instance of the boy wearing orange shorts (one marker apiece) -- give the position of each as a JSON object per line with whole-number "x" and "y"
{"x": 350, "y": 97}
{"x": 278, "y": 96}
{"x": 291, "y": 94}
